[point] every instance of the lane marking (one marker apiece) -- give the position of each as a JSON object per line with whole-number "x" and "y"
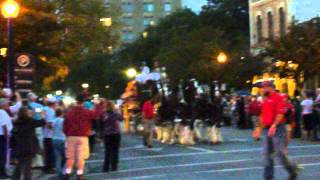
{"x": 200, "y": 149}
{"x": 210, "y": 171}
{"x": 197, "y": 164}
{"x": 173, "y": 166}
{"x": 200, "y": 153}
{"x": 132, "y": 148}
{"x": 152, "y": 149}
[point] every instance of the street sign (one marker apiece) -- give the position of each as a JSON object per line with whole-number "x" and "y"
{"x": 24, "y": 69}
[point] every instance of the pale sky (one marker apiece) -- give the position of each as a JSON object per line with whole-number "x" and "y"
{"x": 195, "y": 5}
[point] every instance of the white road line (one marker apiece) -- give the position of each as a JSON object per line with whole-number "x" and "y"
{"x": 131, "y": 148}
{"x": 200, "y": 153}
{"x": 174, "y": 166}
{"x": 201, "y": 149}
{"x": 209, "y": 171}
{"x": 198, "y": 164}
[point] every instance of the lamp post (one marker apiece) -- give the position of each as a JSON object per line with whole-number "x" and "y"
{"x": 10, "y": 10}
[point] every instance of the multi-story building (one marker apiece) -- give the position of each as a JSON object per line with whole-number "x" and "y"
{"x": 272, "y": 18}
{"x": 136, "y": 15}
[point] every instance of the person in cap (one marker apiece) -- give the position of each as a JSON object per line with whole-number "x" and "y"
{"x": 5, "y": 129}
{"x": 37, "y": 109}
{"x": 26, "y": 142}
{"x": 47, "y": 135}
{"x": 272, "y": 125}
{"x": 77, "y": 127}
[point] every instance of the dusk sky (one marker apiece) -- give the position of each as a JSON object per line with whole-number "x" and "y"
{"x": 195, "y": 5}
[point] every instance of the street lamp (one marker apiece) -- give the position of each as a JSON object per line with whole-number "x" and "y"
{"x": 10, "y": 10}
{"x": 131, "y": 73}
{"x": 222, "y": 58}
{"x": 85, "y": 85}
{"x": 59, "y": 92}
{"x": 106, "y": 21}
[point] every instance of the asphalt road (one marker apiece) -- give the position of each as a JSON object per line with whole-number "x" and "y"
{"x": 238, "y": 158}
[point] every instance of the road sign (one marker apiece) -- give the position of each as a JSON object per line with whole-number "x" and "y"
{"x": 24, "y": 70}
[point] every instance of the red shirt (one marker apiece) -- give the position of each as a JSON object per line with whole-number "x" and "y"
{"x": 148, "y": 110}
{"x": 272, "y": 106}
{"x": 78, "y": 121}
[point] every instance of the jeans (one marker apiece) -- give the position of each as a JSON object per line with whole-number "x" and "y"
{"x": 24, "y": 167}
{"x": 49, "y": 154}
{"x": 59, "y": 153}
{"x": 276, "y": 145}
{"x": 3, "y": 154}
{"x": 111, "y": 145}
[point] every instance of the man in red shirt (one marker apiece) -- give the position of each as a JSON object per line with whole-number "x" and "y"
{"x": 148, "y": 113}
{"x": 77, "y": 127}
{"x": 272, "y": 124}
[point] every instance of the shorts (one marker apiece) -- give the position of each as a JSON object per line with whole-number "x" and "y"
{"x": 77, "y": 147}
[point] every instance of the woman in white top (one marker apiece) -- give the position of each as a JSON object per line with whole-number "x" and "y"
{"x": 307, "y": 115}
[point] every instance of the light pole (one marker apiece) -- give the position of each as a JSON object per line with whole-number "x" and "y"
{"x": 10, "y": 10}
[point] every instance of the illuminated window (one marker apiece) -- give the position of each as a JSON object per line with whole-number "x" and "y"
{"x": 167, "y": 7}
{"x": 148, "y": 7}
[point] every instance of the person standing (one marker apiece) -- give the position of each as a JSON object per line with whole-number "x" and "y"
{"x": 148, "y": 113}
{"x": 112, "y": 137}
{"x": 37, "y": 109}
{"x": 47, "y": 134}
{"x": 5, "y": 129}
{"x": 254, "y": 111}
{"x": 77, "y": 127}
{"x": 273, "y": 128}
{"x": 26, "y": 142}
{"x": 58, "y": 140}
{"x": 307, "y": 115}
{"x": 241, "y": 107}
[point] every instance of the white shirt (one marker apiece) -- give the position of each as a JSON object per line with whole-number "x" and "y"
{"x": 15, "y": 108}
{"x": 50, "y": 118}
{"x": 5, "y": 120}
{"x": 307, "y": 106}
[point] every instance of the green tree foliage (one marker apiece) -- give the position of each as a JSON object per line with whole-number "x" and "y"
{"x": 301, "y": 46}
{"x": 99, "y": 71}
{"x": 60, "y": 33}
{"x": 188, "y": 44}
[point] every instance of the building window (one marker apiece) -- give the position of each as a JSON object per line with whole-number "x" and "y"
{"x": 147, "y": 21}
{"x": 270, "y": 25}
{"x": 148, "y": 7}
{"x": 127, "y": 21}
{"x": 167, "y": 7}
{"x": 259, "y": 29}
{"x": 127, "y": 36}
{"x": 282, "y": 24}
{"x": 127, "y": 7}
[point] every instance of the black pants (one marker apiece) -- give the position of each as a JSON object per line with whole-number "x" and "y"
{"x": 49, "y": 154}
{"x": 3, "y": 154}
{"x": 112, "y": 146}
{"x": 92, "y": 142}
{"x": 24, "y": 167}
